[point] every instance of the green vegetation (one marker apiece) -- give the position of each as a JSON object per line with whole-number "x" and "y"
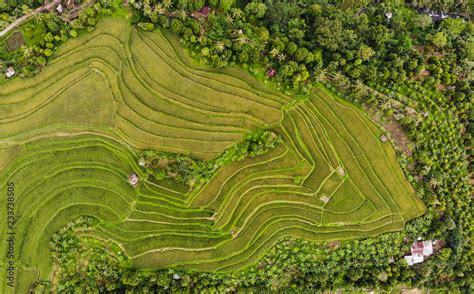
{"x": 69, "y": 158}
{"x": 222, "y": 204}
{"x": 189, "y": 171}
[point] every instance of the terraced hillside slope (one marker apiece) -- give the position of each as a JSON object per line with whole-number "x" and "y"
{"x": 70, "y": 136}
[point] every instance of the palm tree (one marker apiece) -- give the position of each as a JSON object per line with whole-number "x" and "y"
{"x": 220, "y": 45}
{"x": 236, "y": 13}
{"x": 386, "y": 105}
{"x": 160, "y": 9}
{"x": 167, "y": 4}
{"x": 281, "y": 57}
{"x": 320, "y": 74}
{"x": 147, "y": 9}
{"x": 229, "y": 19}
{"x": 274, "y": 52}
{"x": 182, "y": 14}
{"x": 426, "y": 170}
{"x": 337, "y": 76}
{"x": 433, "y": 182}
{"x": 360, "y": 90}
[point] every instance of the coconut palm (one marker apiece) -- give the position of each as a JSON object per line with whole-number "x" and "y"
{"x": 361, "y": 87}
{"x": 160, "y": 9}
{"x": 167, "y": 4}
{"x": 281, "y": 56}
{"x": 274, "y": 52}
{"x": 229, "y": 19}
{"x": 236, "y": 13}
{"x": 220, "y": 46}
{"x": 386, "y": 105}
{"x": 337, "y": 76}
{"x": 433, "y": 182}
{"x": 320, "y": 74}
{"x": 181, "y": 14}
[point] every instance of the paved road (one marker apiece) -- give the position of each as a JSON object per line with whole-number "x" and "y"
{"x": 20, "y": 20}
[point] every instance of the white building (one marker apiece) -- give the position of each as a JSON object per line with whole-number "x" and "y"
{"x": 427, "y": 248}
{"x": 10, "y": 72}
{"x": 419, "y": 250}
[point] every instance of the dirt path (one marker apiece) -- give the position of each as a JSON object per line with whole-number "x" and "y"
{"x": 20, "y": 20}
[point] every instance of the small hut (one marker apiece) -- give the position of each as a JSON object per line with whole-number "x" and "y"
{"x": 141, "y": 161}
{"x": 133, "y": 179}
{"x": 340, "y": 171}
{"x": 271, "y": 72}
{"x": 10, "y": 72}
{"x": 325, "y": 198}
{"x": 205, "y": 11}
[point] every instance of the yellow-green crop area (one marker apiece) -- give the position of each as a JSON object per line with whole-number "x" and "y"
{"x": 69, "y": 138}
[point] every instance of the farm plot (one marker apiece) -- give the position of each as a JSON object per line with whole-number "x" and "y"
{"x": 69, "y": 139}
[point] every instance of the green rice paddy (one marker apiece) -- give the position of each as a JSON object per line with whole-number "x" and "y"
{"x": 70, "y": 136}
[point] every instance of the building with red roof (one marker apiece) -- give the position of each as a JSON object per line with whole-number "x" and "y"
{"x": 419, "y": 250}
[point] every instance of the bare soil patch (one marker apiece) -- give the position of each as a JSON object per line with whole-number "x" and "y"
{"x": 441, "y": 87}
{"x": 334, "y": 244}
{"x": 15, "y": 41}
{"x": 399, "y": 136}
{"x": 412, "y": 291}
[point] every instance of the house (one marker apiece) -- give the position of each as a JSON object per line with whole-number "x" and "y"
{"x": 383, "y": 138}
{"x": 141, "y": 161}
{"x": 271, "y": 72}
{"x": 427, "y": 248}
{"x": 205, "y": 11}
{"x": 59, "y": 8}
{"x": 133, "y": 179}
{"x": 388, "y": 15}
{"x": 325, "y": 199}
{"x": 419, "y": 250}
{"x": 340, "y": 171}
{"x": 412, "y": 259}
{"x": 10, "y": 72}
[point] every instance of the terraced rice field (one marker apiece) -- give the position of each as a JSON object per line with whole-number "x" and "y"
{"x": 69, "y": 139}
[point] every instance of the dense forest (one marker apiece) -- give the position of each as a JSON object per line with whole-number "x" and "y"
{"x": 403, "y": 65}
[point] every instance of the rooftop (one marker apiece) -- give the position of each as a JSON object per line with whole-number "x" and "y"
{"x": 10, "y": 72}
{"x": 133, "y": 180}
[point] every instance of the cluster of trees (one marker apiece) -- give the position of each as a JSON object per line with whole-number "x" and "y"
{"x": 84, "y": 264}
{"x": 190, "y": 171}
{"x": 45, "y": 33}
{"x": 9, "y": 14}
{"x": 460, "y": 6}
{"x": 14, "y": 7}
